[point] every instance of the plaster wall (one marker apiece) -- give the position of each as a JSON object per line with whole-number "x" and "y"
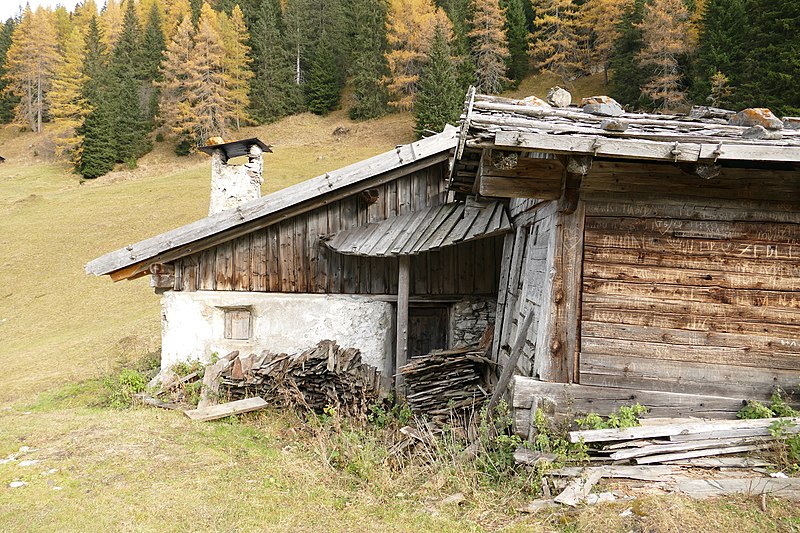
{"x": 193, "y": 324}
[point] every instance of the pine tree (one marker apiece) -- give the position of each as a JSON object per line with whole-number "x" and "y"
{"x": 324, "y": 84}
{"x": 31, "y": 62}
{"x": 411, "y": 25}
{"x": 298, "y": 36}
{"x": 233, "y": 32}
{"x": 67, "y": 106}
{"x": 128, "y": 96}
{"x": 555, "y": 47}
{"x": 273, "y": 93}
{"x": 772, "y": 64}
{"x": 489, "y": 46}
{"x": 665, "y": 30}
{"x": 603, "y": 18}
{"x": 95, "y": 155}
{"x": 721, "y": 48}
{"x": 368, "y": 68}
{"x": 627, "y": 76}
{"x": 175, "y": 108}
{"x": 176, "y": 11}
{"x": 516, "y": 27}
{"x": 8, "y": 100}
{"x": 439, "y": 97}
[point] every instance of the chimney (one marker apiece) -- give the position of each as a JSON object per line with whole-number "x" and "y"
{"x": 232, "y": 185}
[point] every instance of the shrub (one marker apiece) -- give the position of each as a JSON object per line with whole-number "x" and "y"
{"x": 121, "y": 388}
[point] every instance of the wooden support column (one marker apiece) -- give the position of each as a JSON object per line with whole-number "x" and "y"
{"x": 401, "y": 352}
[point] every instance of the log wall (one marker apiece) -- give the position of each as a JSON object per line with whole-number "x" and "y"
{"x": 287, "y": 256}
{"x": 691, "y": 285}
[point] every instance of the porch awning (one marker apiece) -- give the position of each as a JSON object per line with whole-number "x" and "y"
{"x": 427, "y": 230}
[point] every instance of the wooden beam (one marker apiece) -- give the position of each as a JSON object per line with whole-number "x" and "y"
{"x": 215, "y": 412}
{"x": 511, "y": 364}
{"x": 401, "y": 351}
{"x": 501, "y": 175}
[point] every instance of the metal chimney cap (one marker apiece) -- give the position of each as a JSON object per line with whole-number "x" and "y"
{"x": 236, "y": 148}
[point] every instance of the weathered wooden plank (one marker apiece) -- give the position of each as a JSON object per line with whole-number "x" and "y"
{"x": 215, "y": 412}
{"x": 677, "y": 206}
{"x": 501, "y": 187}
{"x": 710, "y": 488}
{"x": 707, "y": 452}
{"x": 242, "y": 268}
{"x": 715, "y": 355}
{"x": 600, "y": 146}
{"x": 661, "y": 449}
{"x": 223, "y": 267}
{"x": 771, "y": 315}
{"x": 766, "y": 344}
{"x": 718, "y": 295}
{"x": 273, "y": 258}
{"x": 646, "y": 432}
{"x": 642, "y": 473}
{"x": 772, "y": 232}
{"x": 604, "y": 370}
{"x": 258, "y": 261}
{"x": 503, "y": 290}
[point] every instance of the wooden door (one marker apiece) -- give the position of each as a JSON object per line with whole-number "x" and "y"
{"x": 427, "y": 329}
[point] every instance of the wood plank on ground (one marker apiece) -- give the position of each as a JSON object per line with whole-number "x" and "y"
{"x": 706, "y": 488}
{"x": 215, "y": 412}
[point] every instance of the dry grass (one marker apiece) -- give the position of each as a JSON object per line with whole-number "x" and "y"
{"x": 580, "y": 88}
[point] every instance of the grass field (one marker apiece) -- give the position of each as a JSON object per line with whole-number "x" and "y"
{"x": 62, "y": 331}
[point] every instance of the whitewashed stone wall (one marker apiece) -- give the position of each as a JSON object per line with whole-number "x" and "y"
{"x": 469, "y": 319}
{"x": 193, "y": 324}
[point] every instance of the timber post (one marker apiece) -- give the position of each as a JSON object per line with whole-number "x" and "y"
{"x": 401, "y": 352}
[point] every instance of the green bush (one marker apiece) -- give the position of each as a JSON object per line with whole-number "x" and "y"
{"x": 121, "y": 388}
{"x": 778, "y": 406}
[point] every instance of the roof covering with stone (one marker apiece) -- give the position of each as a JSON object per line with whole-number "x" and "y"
{"x": 600, "y": 127}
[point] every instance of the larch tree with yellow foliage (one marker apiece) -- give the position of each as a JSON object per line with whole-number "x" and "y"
{"x": 489, "y": 46}
{"x": 111, "y": 23}
{"x": 175, "y": 107}
{"x": 31, "y": 63}
{"x": 602, "y": 18}
{"x": 557, "y": 38}
{"x": 665, "y": 37}
{"x": 67, "y": 105}
{"x": 233, "y": 32}
{"x": 410, "y": 26}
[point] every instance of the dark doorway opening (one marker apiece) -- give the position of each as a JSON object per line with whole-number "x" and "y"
{"x": 427, "y": 329}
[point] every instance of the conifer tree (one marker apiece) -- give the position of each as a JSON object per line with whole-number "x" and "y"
{"x": 410, "y": 28}
{"x": 516, "y": 26}
{"x": 207, "y": 86}
{"x": 62, "y": 24}
{"x": 439, "y": 99}
{"x": 459, "y": 13}
{"x": 273, "y": 92}
{"x": 298, "y": 36}
{"x": 603, "y": 18}
{"x": 111, "y": 22}
{"x": 325, "y": 82}
{"x": 721, "y": 48}
{"x": 233, "y": 31}
{"x": 8, "y": 101}
{"x": 130, "y": 120}
{"x": 665, "y": 31}
{"x": 82, "y": 15}
{"x": 67, "y": 106}
{"x": 152, "y": 51}
{"x": 489, "y": 46}
{"x": 368, "y": 68}
{"x": 175, "y": 108}
{"x": 31, "y": 63}
{"x": 95, "y": 154}
{"x": 176, "y": 11}
{"x": 626, "y": 75}
{"x": 772, "y": 64}
{"x": 556, "y": 37}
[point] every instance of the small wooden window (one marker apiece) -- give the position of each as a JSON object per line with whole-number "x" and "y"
{"x": 238, "y": 324}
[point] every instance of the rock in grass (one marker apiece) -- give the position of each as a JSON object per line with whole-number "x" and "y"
{"x": 17, "y": 484}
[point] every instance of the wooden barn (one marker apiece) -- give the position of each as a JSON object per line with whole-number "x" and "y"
{"x": 377, "y": 256}
{"x": 655, "y": 258}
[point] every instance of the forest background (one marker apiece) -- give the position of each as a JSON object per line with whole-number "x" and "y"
{"x": 110, "y": 80}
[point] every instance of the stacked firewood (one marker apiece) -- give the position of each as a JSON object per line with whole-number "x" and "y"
{"x": 325, "y": 375}
{"x": 445, "y": 382}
